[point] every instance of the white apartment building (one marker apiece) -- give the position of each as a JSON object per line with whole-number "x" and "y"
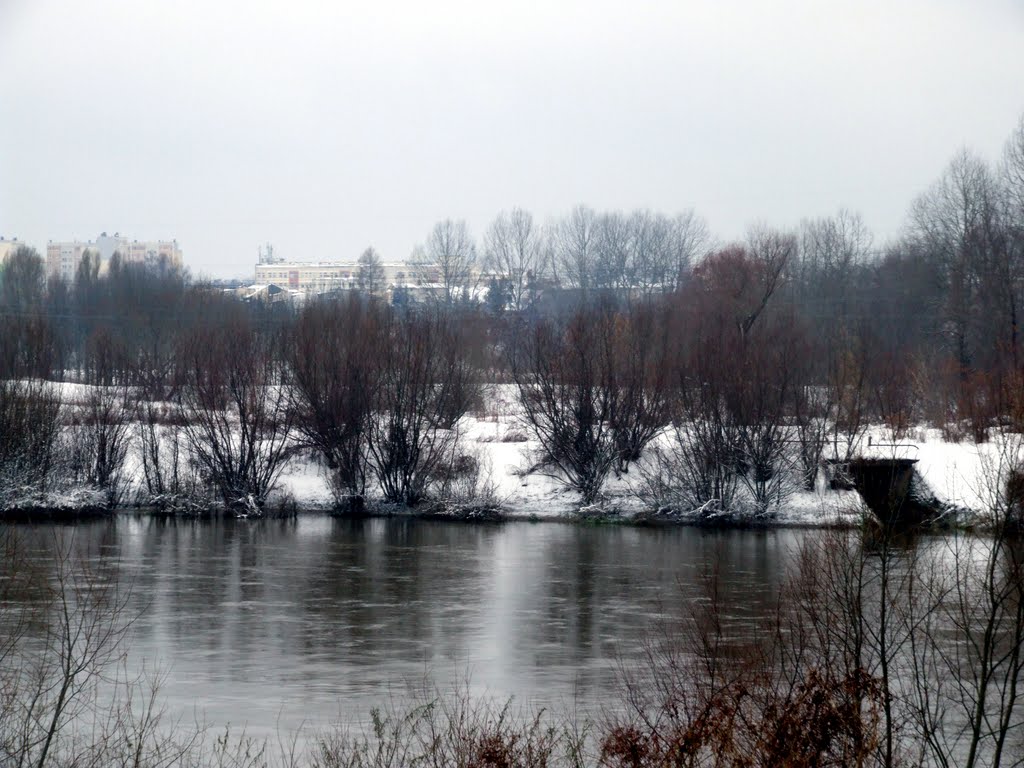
{"x": 324, "y": 276}
{"x": 63, "y": 258}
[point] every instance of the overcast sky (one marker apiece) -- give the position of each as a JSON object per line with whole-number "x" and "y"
{"x": 327, "y": 127}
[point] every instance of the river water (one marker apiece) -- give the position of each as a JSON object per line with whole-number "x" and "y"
{"x": 277, "y": 624}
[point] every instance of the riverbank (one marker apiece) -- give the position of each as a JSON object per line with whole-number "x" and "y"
{"x": 502, "y": 478}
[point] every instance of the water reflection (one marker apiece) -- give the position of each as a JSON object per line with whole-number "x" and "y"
{"x": 276, "y": 623}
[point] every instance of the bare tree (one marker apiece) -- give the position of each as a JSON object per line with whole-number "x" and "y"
{"x": 734, "y": 372}
{"x": 1013, "y": 170}
{"x": 575, "y": 245}
{"x": 614, "y": 258}
{"x": 650, "y": 254}
{"x": 771, "y": 251}
{"x": 647, "y": 252}
{"x": 688, "y": 241}
{"x": 26, "y": 337}
{"x": 370, "y": 272}
{"x": 516, "y": 251}
{"x": 824, "y": 271}
{"x": 146, "y": 301}
{"x": 451, "y": 248}
{"x": 1012, "y": 278}
{"x": 813, "y": 414}
{"x": 957, "y": 219}
{"x": 833, "y": 246}
{"x": 702, "y": 457}
{"x": 22, "y": 280}
{"x": 66, "y": 697}
{"x": 760, "y": 398}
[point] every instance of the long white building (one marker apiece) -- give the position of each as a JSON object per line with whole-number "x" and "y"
{"x": 324, "y": 276}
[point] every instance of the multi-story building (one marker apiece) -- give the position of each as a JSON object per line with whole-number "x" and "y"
{"x": 7, "y": 247}
{"x": 63, "y": 258}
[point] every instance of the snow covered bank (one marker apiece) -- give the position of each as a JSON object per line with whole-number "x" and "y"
{"x": 966, "y": 478}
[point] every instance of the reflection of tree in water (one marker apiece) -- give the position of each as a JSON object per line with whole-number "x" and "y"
{"x": 393, "y": 586}
{"x": 573, "y": 581}
{"x": 607, "y": 588}
{"x": 402, "y": 582}
{"x": 324, "y": 608}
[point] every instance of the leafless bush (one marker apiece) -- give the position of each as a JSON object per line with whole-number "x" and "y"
{"x": 760, "y": 397}
{"x": 333, "y": 361}
{"x": 849, "y": 384}
{"x": 413, "y": 431}
{"x": 468, "y": 482}
{"x": 452, "y": 729}
{"x": 100, "y": 440}
{"x": 643, "y": 374}
{"x": 64, "y": 697}
{"x": 169, "y": 470}
{"x": 239, "y": 422}
{"x": 702, "y": 458}
{"x": 812, "y": 410}
{"x": 766, "y": 454}
{"x": 733, "y": 373}
{"x": 567, "y": 388}
{"x": 30, "y": 430}
{"x": 709, "y": 694}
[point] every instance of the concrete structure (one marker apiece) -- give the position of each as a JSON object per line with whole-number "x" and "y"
{"x": 271, "y": 294}
{"x": 63, "y": 258}
{"x": 7, "y": 247}
{"x": 325, "y": 276}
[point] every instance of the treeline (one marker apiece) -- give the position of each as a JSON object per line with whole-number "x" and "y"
{"x": 731, "y": 370}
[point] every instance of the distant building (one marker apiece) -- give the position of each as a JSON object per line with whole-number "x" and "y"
{"x": 63, "y": 258}
{"x": 270, "y": 294}
{"x": 327, "y": 276}
{"x": 8, "y": 247}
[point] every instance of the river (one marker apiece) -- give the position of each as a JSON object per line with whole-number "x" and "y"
{"x": 276, "y": 624}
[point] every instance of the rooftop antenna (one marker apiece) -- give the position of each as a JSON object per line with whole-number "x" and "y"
{"x": 265, "y": 254}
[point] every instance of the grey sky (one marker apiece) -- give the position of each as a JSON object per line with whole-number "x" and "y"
{"x": 326, "y": 127}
